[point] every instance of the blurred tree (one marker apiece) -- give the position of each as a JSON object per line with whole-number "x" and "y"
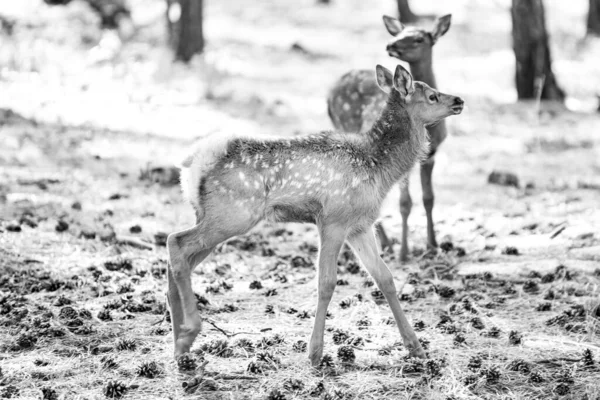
{"x": 593, "y": 20}
{"x": 184, "y": 22}
{"x": 405, "y": 13}
{"x": 532, "y": 53}
{"x": 109, "y": 11}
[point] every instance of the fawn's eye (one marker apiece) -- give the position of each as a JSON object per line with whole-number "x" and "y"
{"x": 419, "y": 40}
{"x": 432, "y": 97}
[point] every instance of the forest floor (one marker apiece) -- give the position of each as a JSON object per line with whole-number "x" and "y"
{"x": 509, "y": 309}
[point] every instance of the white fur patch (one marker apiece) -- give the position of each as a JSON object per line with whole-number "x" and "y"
{"x": 200, "y": 160}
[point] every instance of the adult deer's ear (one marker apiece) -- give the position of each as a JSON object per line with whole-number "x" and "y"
{"x": 440, "y": 27}
{"x": 393, "y": 26}
{"x": 385, "y": 80}
{"x": 403, "y": 81}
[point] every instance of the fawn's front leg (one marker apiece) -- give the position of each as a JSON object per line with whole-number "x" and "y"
{"x": 428, "y": 199}
{"x": 365, "y": 247}
{"x": 332, "y": 238}
{"x": 405, "y": 207}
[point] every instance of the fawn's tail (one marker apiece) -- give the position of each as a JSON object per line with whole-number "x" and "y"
{"x": 198, "y": 162}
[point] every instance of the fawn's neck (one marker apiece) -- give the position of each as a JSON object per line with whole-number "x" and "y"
{"x": 422, "y": 70}
{"x": 397, "y": 142}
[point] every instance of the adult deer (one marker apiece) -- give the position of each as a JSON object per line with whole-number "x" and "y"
{"x": 335, "y": 181}
{"x": 355, "y": 101}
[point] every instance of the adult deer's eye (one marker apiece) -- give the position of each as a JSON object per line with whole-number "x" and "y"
{"x": 419, "y": 40}
{"x": 432, "y": 97}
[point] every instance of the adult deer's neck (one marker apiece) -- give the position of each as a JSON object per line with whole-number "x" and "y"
{"x": 422, "y": 70}
{"x": 397, "y": 141}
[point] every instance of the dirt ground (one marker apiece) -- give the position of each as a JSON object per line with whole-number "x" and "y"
{"x": 508, "y": 309}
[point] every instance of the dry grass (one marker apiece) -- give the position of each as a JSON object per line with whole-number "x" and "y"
{"x": 69, "y": 169}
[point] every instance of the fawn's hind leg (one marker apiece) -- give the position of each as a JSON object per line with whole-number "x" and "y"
{"x": 332, "y": 238}
{"x": 405, "y": 207}
{"x": 365, "y": 247}
{"x": 186, "y": 250}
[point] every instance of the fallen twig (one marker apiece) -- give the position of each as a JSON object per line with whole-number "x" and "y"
{"x": 133, "y": 241}
{"x": 228, "y": 334}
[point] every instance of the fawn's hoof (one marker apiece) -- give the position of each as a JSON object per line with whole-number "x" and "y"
{"x": 416, "y": 351}
{"x": 315, "y": 355}
{"x": 186, "y": 337}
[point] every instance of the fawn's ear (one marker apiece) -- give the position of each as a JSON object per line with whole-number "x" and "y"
{"x": 403, "y": 81}
{"x": 392, "y": 25}
{"x": 440, "y": 27}
{"x": 385, "y": 80}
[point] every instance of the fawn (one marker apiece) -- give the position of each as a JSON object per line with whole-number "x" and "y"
{"x": 355, "y": 101}
{"x": 335, "y": 181}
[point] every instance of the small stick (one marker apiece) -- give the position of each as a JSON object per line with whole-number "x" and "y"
{"x": 133, "y": 241}
{"x": 224, "y": 332}
{"x": 235, "y": 377}
{"x": 558, "y": 231}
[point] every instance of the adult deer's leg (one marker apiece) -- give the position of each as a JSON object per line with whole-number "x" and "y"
{"x": 332, "y": 238}
{"x": 428, "y": 199}
{"x": 384, "y": 240}
{"x": 365, "y": 247}
{"x": 405, "y": 207}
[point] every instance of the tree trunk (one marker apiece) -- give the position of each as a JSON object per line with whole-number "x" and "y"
{"x": 593, "y": 21}
{"x": 406, "y": 14}
{"x": 532, "y": 53}
{"x": 186, "y": 36}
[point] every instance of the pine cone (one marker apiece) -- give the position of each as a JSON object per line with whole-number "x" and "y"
{"x": 326, "y": 362}
{"x": 492, "y": 375}
{"x": 275, "y": 394}
{"x": 470, "y": 380}
{"x": 588, "y": 357}
{"x": 186, "y": 362}
{"x": 445, "y": 291}
{"x": 293, "y": 385}
{"x": 126, "y": 344}
{"x": 299, "y": 346}
{"x": 346, "y": 354}
{"x": 519, "y": 365}
{"x": 515, "y": 338}
{"x": 149, "y": 370}
{"x": 49, "y": 394}
{"x": 562, "y": 389}
{"x": 340, "y": 336}
{"x": 536, "y": 377}
{"x": 255, "y": 367}
{"x": 115, "y": 389}
{"x": 104, "y": 315}
{"x": 475, "y": 363}
{"x": 256, "y": 285}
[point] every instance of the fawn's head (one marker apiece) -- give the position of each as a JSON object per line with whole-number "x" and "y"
{"x": 412, "y": 44}
{"x": 423, "y": 103}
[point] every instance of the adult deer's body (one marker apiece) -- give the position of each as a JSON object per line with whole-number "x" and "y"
{"x": 335, "y": 181}
{"x": 355, "y": 102}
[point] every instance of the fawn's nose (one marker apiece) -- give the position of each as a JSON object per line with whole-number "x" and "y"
{"x": 458, "y": 101}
